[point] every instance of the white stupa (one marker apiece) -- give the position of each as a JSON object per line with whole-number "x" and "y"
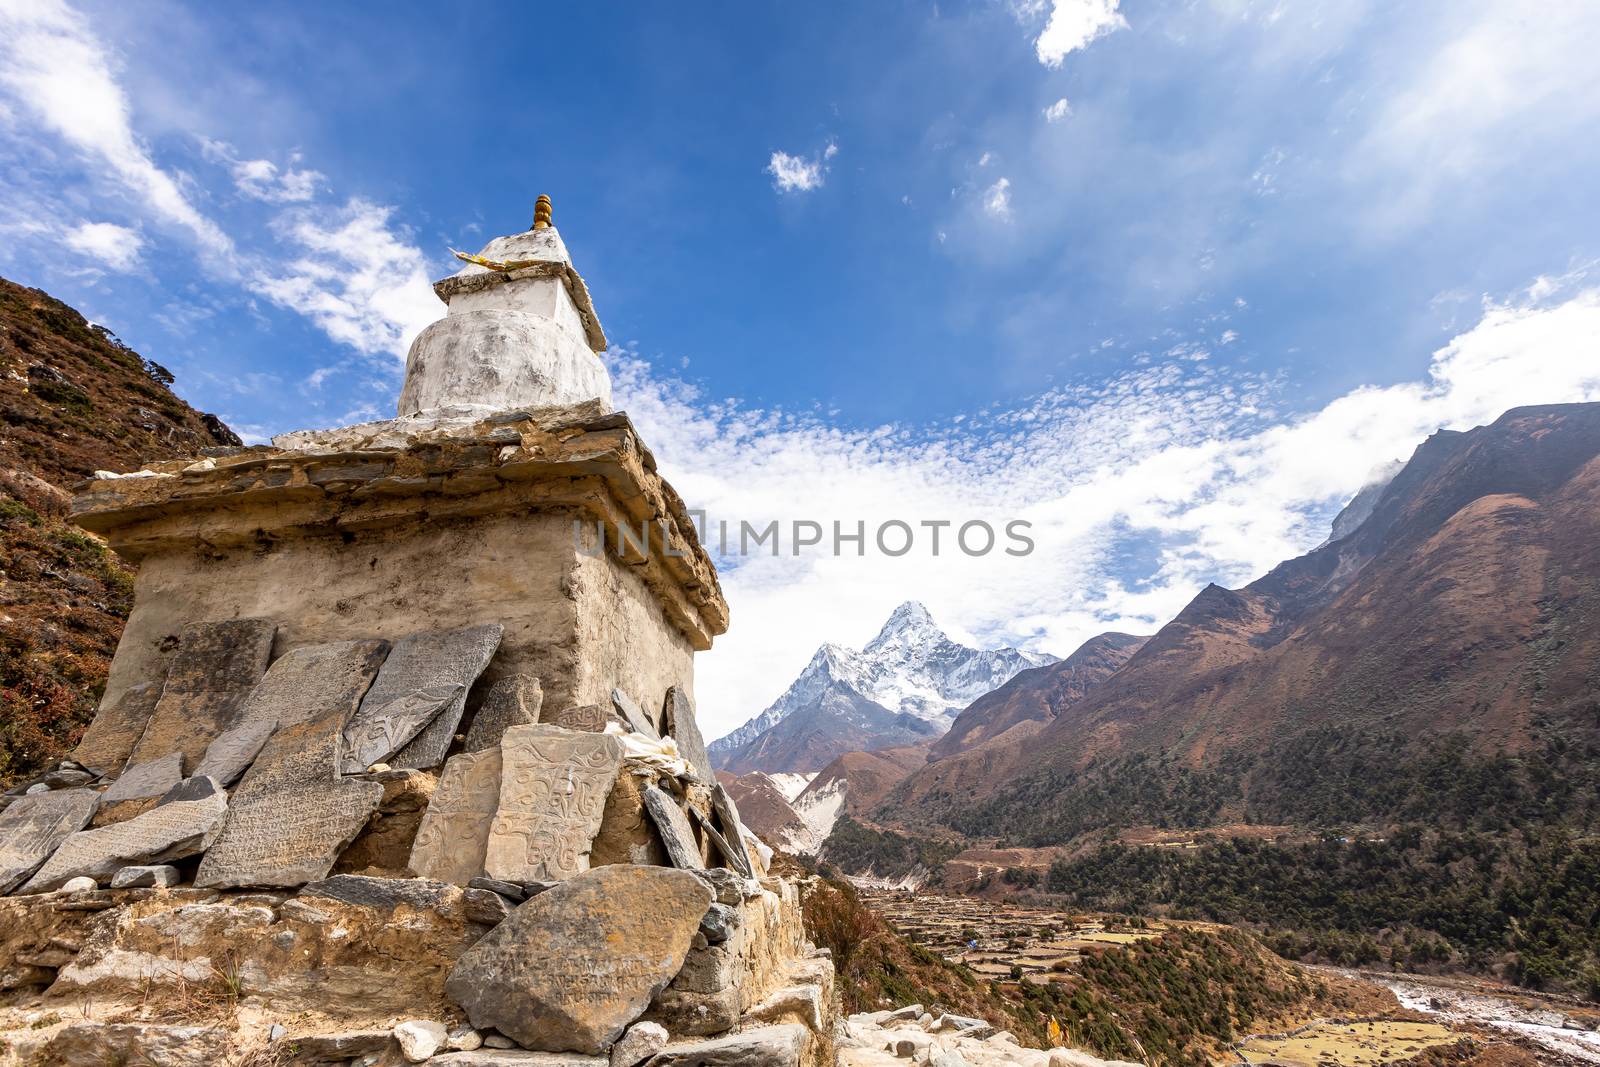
{"x": 520, "y": 333}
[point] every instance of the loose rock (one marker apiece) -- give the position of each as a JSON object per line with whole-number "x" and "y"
{"x": 571, "y": 968}
{"x": 642, "y": 1041}
{"x": 138, "y": 877}
{"x": 420, "y": 1038}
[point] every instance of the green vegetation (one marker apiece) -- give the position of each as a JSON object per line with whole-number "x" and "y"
{"x": 857, "y": 849}
{"x": 1525, "y": 903}
{"x": 1325, "y": 778}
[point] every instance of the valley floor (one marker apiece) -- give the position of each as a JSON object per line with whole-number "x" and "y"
{"x": 1353, "y": 1019}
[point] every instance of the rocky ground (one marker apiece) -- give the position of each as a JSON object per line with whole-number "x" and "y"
{"x": 910, "y": 1035}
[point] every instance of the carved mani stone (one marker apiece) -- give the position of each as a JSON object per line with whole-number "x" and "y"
{"x": 587, "y": 718}
{"x": 409, "y": 716}
{"x": 303, "y": 683}
{"x": 513, "y": 701}
{"x": 673, "y": 826}
{"x": 553, "y": 789}
{"x": 570, "y": 969}
{"x": 677, "y": 720}
{"x": 213, "y": 669}
{"x": 116, "y": 728}
{"x": 34, "y": 826}
{"x": 453, "y": 837}
{"x": 164, "y": 833}
{"x": 291, "y": 815}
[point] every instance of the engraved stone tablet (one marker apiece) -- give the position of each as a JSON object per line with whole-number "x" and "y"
{"x": 673, "y": 826}
{"x": 303, "y": 683}
{"x": 589, "y": 718}
{"x": 149, "y": 779}
{"x": 553, "y": 789}
{"x": 34, "y": 826}
{"x": 291, "y": 816}
{"x": 513, "y": 701}
{"x": 233, "y": 750}
{"x": 162, "y": 834}
{"x": 632, "y": 714}
{"x": 213, "y": 669}
{"x": 677, "y": 719}
{"x": 732, "y": 831}
{"x": 409, "y": 716}
{"x": 453, "y": 838}
{"x": 116, "y": 728}
{"x": 574, "y": 966}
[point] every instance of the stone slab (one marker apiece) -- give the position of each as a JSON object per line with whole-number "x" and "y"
{"x": 673, "y": 826}
{"x": 409, "y": 716}
{"x": 570, "y": 969}
{"x": 585, "y": 718}
{"x": 302, "y": 684}
{"x": 732, "y": 845}
{"x": 151, "y": 778}
{"x": 513, "y": 701}
{"x": 761, "y": 1046}
{"x": 210, "y": 674}
{"x": 553, "y": 789}
{"x": 233, "y": 750}
{"x": 292, "y": 815}
{"x": 495, "y": 1057}
{"x": 34, "y": 826}
{"x": 453, "y": 838}
{"x": 633, "y": 714}
{"x": 678, "y": 721}
{"x": 116, "y": 729}
{"x": 164, "y": 833}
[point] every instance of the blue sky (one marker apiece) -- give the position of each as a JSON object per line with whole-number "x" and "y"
{"x": 1169, "y": 278}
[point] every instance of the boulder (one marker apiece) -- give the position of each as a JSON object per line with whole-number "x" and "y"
{"x": 570, "y": 969}
{"x": 677, "y": 720}
{"x": 419, "y": 1039}
{"x": 642, "y": 1041}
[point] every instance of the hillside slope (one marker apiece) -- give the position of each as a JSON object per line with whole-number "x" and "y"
{"x": 75, "y": 400}
{"x": 1439, "y": 661}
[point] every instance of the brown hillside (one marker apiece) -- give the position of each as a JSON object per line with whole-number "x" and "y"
{"x": 75, "y": 400}
{"x": 1035, "y": 697}
{"x": 1461, "y": 613}
{"x": 867, "y": 776}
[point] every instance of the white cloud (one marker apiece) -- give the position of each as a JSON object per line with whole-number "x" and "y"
{"x": 58, "y": 70}
{"x": 997, "y": 199}
{"x": 1183, "y": 465}
{"x": 262, "y": 179}
{"x": 360, "y": 281}
{"x": 1058, "y": 111}
{"x": 108, "y": 244}
{"x": 797, "y": 174}
{"x": 1075, "y": 24}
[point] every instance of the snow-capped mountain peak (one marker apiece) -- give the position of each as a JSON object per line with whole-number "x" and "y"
{"x": 911, "y": 668}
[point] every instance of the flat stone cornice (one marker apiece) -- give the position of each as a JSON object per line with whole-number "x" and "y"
{"x": 556, "y": 460}
{"x": 476, "y": 283}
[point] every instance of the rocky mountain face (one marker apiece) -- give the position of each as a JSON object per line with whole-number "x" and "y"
{"x": 904, "y": 688}
{"x": 74, "y": 400}
{"x": 1444, "y": 643}
{"x": 1036, "y": 697}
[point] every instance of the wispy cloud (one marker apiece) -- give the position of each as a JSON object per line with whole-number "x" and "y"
{"x": 61, "y": 73}
{"x": 107, "y": 244}
{"x": 997, "y": 200}
{"x": 262, "y": 179}
{"x": 365, "y": 284}
{"x": 1058, "y": 111}
{"x": 798, "y": 174}
{"x": 1182, "y": 465}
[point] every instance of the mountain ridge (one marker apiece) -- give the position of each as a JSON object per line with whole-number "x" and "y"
{"x": 904, "y": 687}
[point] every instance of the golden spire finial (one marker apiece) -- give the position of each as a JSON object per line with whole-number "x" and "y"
{"x": 541, "y": 212}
